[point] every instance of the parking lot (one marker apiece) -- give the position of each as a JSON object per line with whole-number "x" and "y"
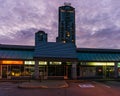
{"x": 85, "y": 88}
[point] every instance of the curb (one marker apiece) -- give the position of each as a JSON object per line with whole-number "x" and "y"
{"x": 44, "y": 87}
{"x": 65, "y": 86}
{"x": 31, "y": 87}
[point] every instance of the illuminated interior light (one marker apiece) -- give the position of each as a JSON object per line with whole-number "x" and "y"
{"x": 100, "y": 63}
{"x": 13, "y": 73}
{"x": 68, "y": 34}
{"x": 55, "y": 63}
{"x": 42, "y": 63}
{"x": 110, "y": 70}
{"x": 100, "y": 70}
{"x": 64, "y": 41}
{"x": 11, "y": 62}
{"x": 29, "y": 62}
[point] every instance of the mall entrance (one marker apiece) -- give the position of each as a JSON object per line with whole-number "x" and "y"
{"x": 58, "y": 72}
{"x": 108, "y": 72}
{"x": 43, "y": 71}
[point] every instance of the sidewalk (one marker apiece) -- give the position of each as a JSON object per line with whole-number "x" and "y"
{"x": 44, "y": 84}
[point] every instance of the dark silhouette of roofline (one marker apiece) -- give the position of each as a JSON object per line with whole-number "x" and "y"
{"x": 24, "y": 47}
{"x": 17, "y": 47}
{"x": 99, "y": 50}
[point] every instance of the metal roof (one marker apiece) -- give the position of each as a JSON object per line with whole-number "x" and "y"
{"x": 58, "y": 50}
{"x": 94, "y": 54}
{"x": 16, "y": 52}
{"x": 87, "y": 56}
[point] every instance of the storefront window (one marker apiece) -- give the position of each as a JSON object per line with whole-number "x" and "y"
{"x": 15, "y": 70}
{"x": 28, "y": 68}
{"x": 68, "y": 63}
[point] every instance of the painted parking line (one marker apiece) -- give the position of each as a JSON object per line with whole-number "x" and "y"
{"x": 102, "y": 84}
{"x": 86, "y": 86}
{"x": 107, "y": 86}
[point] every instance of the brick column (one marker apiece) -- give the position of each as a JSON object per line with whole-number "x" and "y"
{"x": 36, "y": 72}
{"x": 116, "y": 69}
{"x": 0, "y": 71}
{"x": 74, "y": 70}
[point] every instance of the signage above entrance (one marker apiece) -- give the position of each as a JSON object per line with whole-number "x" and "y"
{"x": 11, "y": 62}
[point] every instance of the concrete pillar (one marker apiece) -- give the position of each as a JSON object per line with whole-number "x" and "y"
{"x": 36, "y": 72}
{"x": 116, "y": 69}
{"x": 0, "y": 71}
{"x": 74, "y": 70}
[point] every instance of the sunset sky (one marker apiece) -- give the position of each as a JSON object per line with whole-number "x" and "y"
{"x": 97, "y": 21}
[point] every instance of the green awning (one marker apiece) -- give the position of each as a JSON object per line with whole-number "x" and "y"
{"x": 84, "y": 56}
{"x": 16, "y": 54}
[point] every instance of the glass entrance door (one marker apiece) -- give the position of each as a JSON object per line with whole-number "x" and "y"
{"x": 43, "y": 72}
{"x": 57, "y": 72}
{"x": 108, "y": 72}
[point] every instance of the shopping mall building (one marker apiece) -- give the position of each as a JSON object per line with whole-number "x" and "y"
{"x": 60, "y": 59}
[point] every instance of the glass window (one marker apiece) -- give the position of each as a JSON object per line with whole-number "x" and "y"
{"x": 69, "y": 63}
{"x": 28, "y": 70}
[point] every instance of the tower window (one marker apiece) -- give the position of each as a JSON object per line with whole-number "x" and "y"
{"x": 64, "y": 41}
{"x": 68, "y": 34}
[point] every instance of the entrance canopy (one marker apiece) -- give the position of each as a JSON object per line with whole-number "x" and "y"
{"x": 55, "y": 51}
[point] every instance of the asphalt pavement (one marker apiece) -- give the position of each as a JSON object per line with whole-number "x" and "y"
{"x": 53, "y": 88}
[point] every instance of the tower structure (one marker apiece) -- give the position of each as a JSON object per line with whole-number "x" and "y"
{"x": 66, "y": 30}
{"x": 40, "y": 36}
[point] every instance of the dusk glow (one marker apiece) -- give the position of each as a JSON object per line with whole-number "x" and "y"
{"x": 97, "y": 21}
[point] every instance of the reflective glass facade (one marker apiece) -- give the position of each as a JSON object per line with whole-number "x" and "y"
{"x": 66, "y": 31}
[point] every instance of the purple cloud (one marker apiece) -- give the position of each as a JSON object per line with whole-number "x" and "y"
{"x": 97, "y": 22}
